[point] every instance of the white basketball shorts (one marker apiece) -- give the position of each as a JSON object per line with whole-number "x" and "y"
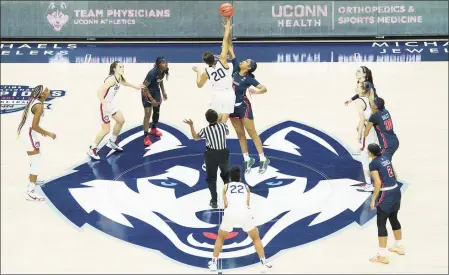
{"x": 223, "y": 101}
{"x": 237, "y": 217}
{"x": 30, "y": 139}
{"x": 106, "y": 114}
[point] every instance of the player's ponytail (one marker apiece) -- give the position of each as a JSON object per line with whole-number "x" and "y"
{"x": 368, "y": 74}
{"x": 36, "y": 93}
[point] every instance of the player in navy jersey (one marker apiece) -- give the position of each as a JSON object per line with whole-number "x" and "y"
{"x": 383, "y": 124}
{"x": 151, "y": 97}
{"x": 364, "y": 78}
{"x": 242, "y": 118}
{"x": 386, "y": 199}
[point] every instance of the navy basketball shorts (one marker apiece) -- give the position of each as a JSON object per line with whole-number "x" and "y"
{"x": 243, "y": 110}
{"x": 146, "y": 102}
{"x": 389, "y": 152}
{"x": 389, "y": 201}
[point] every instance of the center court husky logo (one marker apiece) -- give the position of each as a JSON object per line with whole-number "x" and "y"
{"x": 158, "y": 198}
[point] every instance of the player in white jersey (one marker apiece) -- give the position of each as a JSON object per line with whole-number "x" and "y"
{"x": 108, "y": 110}
{"x": 363, "y": 107}
{"x": 220, "y": 76}
{"x": 31, "y": 138}
{"x": 236, "y": 197}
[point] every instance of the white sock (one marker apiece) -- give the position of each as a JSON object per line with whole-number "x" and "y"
{"x": 383, "y": 251}
{"x": 31, "y": 186}
{"x": 246, "y": 157}
{"x": 214, "y": 259}
{"x": 113, "y": 138}
{"x": 93, "y": 146}
{"x": 398, "y": 243}
{"x": 263, "y": 260}
{"x": 262, "y": 157}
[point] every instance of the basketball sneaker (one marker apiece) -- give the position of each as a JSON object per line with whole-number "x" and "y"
{"x": 155, "y": 132}
{"x": 212, "y": 265}
{"x": 92, "y": 152}
{"x": 114, "y": 145}
{"x": 397, "y": 249}
{"x": 265, "y": 266}
{"x": 380, "y": 259}
{"x": 147, "y": 141}
{"x": 31, "y": 195}
{"x": 263, "y": 166}
{"x": 248, "y": 164}
{"x": 366, "y": 188}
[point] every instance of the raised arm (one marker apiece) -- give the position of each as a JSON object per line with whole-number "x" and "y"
{"x": 225, "y": 43}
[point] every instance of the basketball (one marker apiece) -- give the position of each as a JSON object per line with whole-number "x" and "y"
{"x": 226, "y": 10}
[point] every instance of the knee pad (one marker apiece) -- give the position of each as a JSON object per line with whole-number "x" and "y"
{"x": 34, "y": 164}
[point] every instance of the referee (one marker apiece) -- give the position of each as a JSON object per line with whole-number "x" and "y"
{"x": 217, "y": 154}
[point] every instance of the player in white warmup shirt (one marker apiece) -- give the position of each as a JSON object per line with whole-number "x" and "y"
{"x": 236, "y": 197}
{"x": 108, "y": 110}
{"x": 363, "y": 106}
{"x": 220, "y": 76}
{"x": 31, "y": 138}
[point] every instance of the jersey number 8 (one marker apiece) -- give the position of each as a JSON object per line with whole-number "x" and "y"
{"x": 219, "y": 74}
{"x": 239, "y": 189}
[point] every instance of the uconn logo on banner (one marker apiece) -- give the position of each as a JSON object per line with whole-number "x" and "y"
{"x": 14, "y": 98}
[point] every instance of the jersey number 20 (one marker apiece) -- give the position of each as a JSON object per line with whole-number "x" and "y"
{"x": 219, "y": 74}
{"x": 239, "y": 189}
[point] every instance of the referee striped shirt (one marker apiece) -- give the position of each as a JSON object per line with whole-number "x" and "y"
{"x": 215, "y": 135}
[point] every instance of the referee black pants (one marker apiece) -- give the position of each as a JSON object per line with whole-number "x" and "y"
{"x": 214, "y": 159}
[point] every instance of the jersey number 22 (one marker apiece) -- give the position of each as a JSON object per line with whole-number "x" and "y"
{"x": 239, "y": 189}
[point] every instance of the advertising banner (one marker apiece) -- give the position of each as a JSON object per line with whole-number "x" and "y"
{"x": 179, "y": 19}
{"x": 382, "y": 51}
{"x": 340, "y": 18}
{"x": 200, "y": 19}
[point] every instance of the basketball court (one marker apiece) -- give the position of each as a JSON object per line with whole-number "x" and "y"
{"x": 146, "y": 210}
